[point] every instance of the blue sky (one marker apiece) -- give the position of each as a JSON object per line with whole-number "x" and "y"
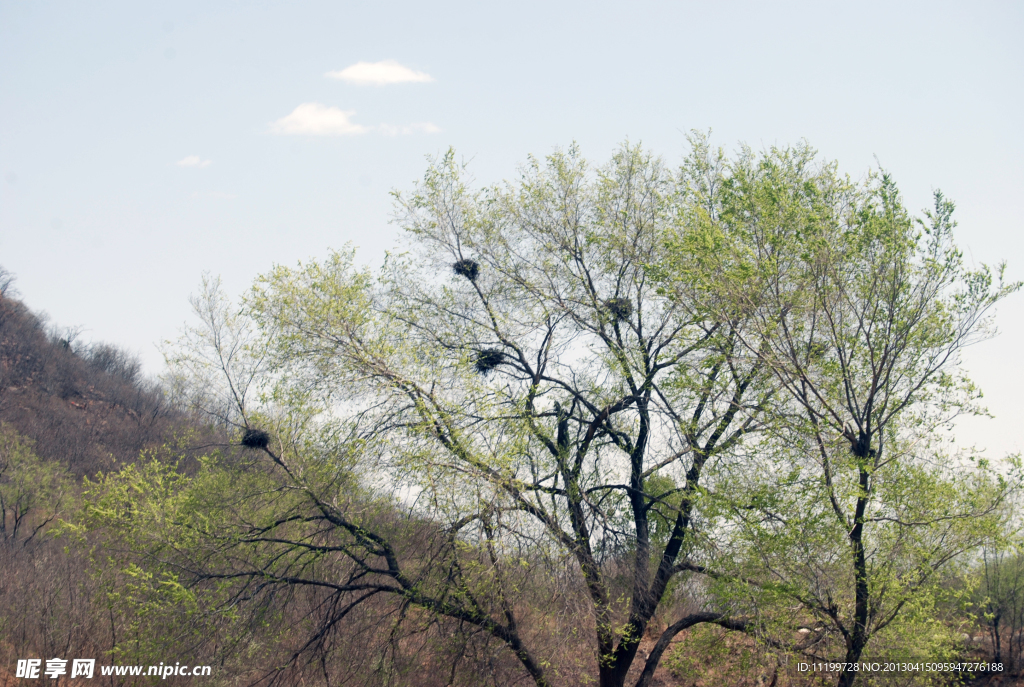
{"x": 101, "y": 101}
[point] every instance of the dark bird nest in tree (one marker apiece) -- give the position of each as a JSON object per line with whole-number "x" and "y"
{"x": 620, "y": 308}
{"x": 488, "y": 359}
{"x": 467, "y": 268}
{"x": 255, "y": 438}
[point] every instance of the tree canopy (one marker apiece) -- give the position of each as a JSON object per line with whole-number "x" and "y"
{"x": 598, "y": 406}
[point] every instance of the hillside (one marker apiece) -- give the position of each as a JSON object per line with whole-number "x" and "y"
{"x": 87, "y": 407}
{"x": 67, "y": 413}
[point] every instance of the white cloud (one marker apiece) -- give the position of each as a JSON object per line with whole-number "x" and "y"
{"x": 379, "y": 74}
{"x": 406, "y": 129}
{"x": 215, "y": 194}
{"x": 194, "y": 161}
{"x": 314, "y": 119}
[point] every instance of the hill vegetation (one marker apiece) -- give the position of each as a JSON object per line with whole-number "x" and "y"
{"x": 87, "y": 408}
{"x": 64, "y": 414}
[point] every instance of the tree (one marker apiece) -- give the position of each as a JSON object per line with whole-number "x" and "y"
{"x": 32, "y": 492}
{"x": 860, "y": 313}
{"x": 7, "y": 283}
{"x": 520, "y": 383}
{"x": 1000, "y": 600}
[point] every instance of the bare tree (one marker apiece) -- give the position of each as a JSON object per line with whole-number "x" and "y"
{"x": 7, "y": 279}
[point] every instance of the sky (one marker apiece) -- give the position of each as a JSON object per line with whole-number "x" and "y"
{"x": 144, "y": 144}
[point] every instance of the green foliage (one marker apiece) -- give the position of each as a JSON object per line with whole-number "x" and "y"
{"x": 713, "y": 654}
{"x": 860, "y": 312}
{"x": 33, "y": 491}
{"x": 145, "y": 524}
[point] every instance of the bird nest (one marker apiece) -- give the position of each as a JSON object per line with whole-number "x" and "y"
{"x": 255, "y": 438}
{"x": 620, "y": 308}
{"x": 467, "y": 268}
{"x": 488, "y": 359}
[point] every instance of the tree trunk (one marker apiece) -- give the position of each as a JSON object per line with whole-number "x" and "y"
{"x": 859, "y": 636}
{"x": 997, "y": 649}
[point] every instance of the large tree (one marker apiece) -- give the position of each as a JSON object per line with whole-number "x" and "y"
{"x": 860, "y": 313}
{"x": 524, "y": 385}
